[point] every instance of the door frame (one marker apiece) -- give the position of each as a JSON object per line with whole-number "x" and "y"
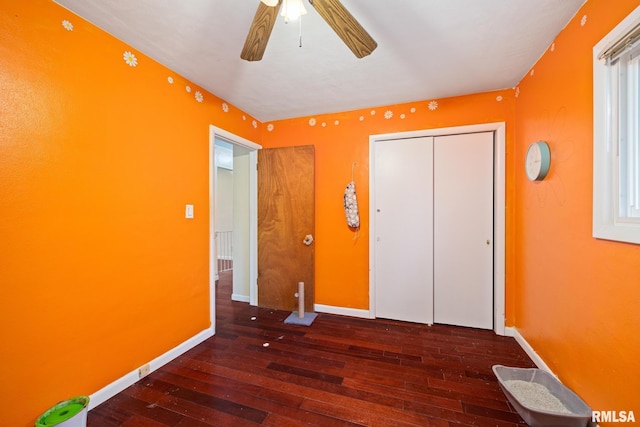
{"x": 216, "y": 132}
{"x": 499, "y": 219}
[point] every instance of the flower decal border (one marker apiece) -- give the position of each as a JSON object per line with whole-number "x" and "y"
{"x": 130, "y": 58}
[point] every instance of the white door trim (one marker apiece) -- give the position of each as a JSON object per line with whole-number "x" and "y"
{"x": 214, "y": 132}
{"x": 499, "y": 209}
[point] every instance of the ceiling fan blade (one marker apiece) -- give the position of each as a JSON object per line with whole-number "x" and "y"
{"x": 346, "y": 27}
{"x": 260, "y": 31}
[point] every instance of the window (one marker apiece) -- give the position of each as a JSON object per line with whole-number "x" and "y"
{"x": 616, "y": 161}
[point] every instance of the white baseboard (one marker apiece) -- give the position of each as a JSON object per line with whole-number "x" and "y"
{"x": 132, "y": 377}
{"x": 511, "y": 331}
{"x": 343, "y": 311}
{"x": 240, "y": 298}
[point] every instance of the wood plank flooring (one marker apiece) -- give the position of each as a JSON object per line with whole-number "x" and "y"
{"x": 340, "y": 371}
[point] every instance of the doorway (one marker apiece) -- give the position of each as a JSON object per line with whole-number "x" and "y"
{"x": 496, "y": 241}
{"x": 232, "y": 219}
{"x": 224, "y": 205}
{"x": 233, "y": 196}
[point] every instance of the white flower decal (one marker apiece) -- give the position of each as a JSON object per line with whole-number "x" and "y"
{"x": 170, "y": 80}
{"x": 337, "y": 122}
{"x": 433, "y": 105}
{"x": 324, "y": 124}
{"x": 312, "y": 121}
{"x": 553, "y": 47}
{"x": 225, "y": 108}
{"x": 413, "y": 109}
{"x": 583, "y": 21}
{"x": 253, "y": 123}
{"x": 67, "y": 25}
{"x": 130, "y": 59}
{"x": 362, "y": 118}
{"x": 402, "y": 116}
{"x": 188, "y": 89}
{"x": 244, "y": 117}
{"x": 388, "y": 114}
{"x": 517, "y": 91}
{"x": 373, "y": 112}
{"x": 532, "y": 72}
{"x": 199, "y": 96}
{"x": 499, "y": 98}
{"x": 270, "y": 127}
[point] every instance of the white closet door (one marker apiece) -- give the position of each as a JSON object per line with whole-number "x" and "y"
{"x": 404, "y": 229}
{"x": 463, "y": 230}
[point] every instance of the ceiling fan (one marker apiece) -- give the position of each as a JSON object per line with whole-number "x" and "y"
{"x": 332, "y": 11}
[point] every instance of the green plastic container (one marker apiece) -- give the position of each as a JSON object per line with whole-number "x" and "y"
{"x": 69, "y": 413}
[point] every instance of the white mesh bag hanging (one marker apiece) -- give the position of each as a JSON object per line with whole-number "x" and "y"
{"x": 351, "y": 206}
{"x": 351, "y": 203}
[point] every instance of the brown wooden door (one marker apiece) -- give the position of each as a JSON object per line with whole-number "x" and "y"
{"x": 286, "y": 214}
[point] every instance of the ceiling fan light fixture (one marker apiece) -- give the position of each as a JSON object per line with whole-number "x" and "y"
{"x": 292, "y": 10}
{"x": 333, "y": 12}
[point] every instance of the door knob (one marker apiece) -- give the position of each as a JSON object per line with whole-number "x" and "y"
{"x": 308, "y": 239}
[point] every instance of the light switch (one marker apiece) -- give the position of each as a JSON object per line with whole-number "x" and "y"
{"x": 188, "y": 212}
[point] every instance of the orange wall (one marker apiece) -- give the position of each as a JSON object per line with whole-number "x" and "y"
{"x": 99, "y": 270}
{"x": 576, "y": 296}
{"x": 342, "y": 264}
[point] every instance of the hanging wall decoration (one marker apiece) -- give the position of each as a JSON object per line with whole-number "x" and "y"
{"x": 351, "y": 204}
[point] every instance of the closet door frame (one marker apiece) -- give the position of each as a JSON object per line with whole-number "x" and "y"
{"x": 499, "y": 210}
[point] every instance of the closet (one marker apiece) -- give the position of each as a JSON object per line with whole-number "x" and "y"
{"x": 433, "y": 236}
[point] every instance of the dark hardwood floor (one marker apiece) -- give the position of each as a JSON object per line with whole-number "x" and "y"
{"x": 340, "y": 371}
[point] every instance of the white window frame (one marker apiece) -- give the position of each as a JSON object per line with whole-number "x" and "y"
{"x": 610, "y": 191}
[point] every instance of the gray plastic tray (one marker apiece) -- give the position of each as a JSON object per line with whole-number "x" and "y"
{"x": 580, "y": 412}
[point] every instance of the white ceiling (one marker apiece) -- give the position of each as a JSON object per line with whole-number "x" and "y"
{"x": 427, "y": 49}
